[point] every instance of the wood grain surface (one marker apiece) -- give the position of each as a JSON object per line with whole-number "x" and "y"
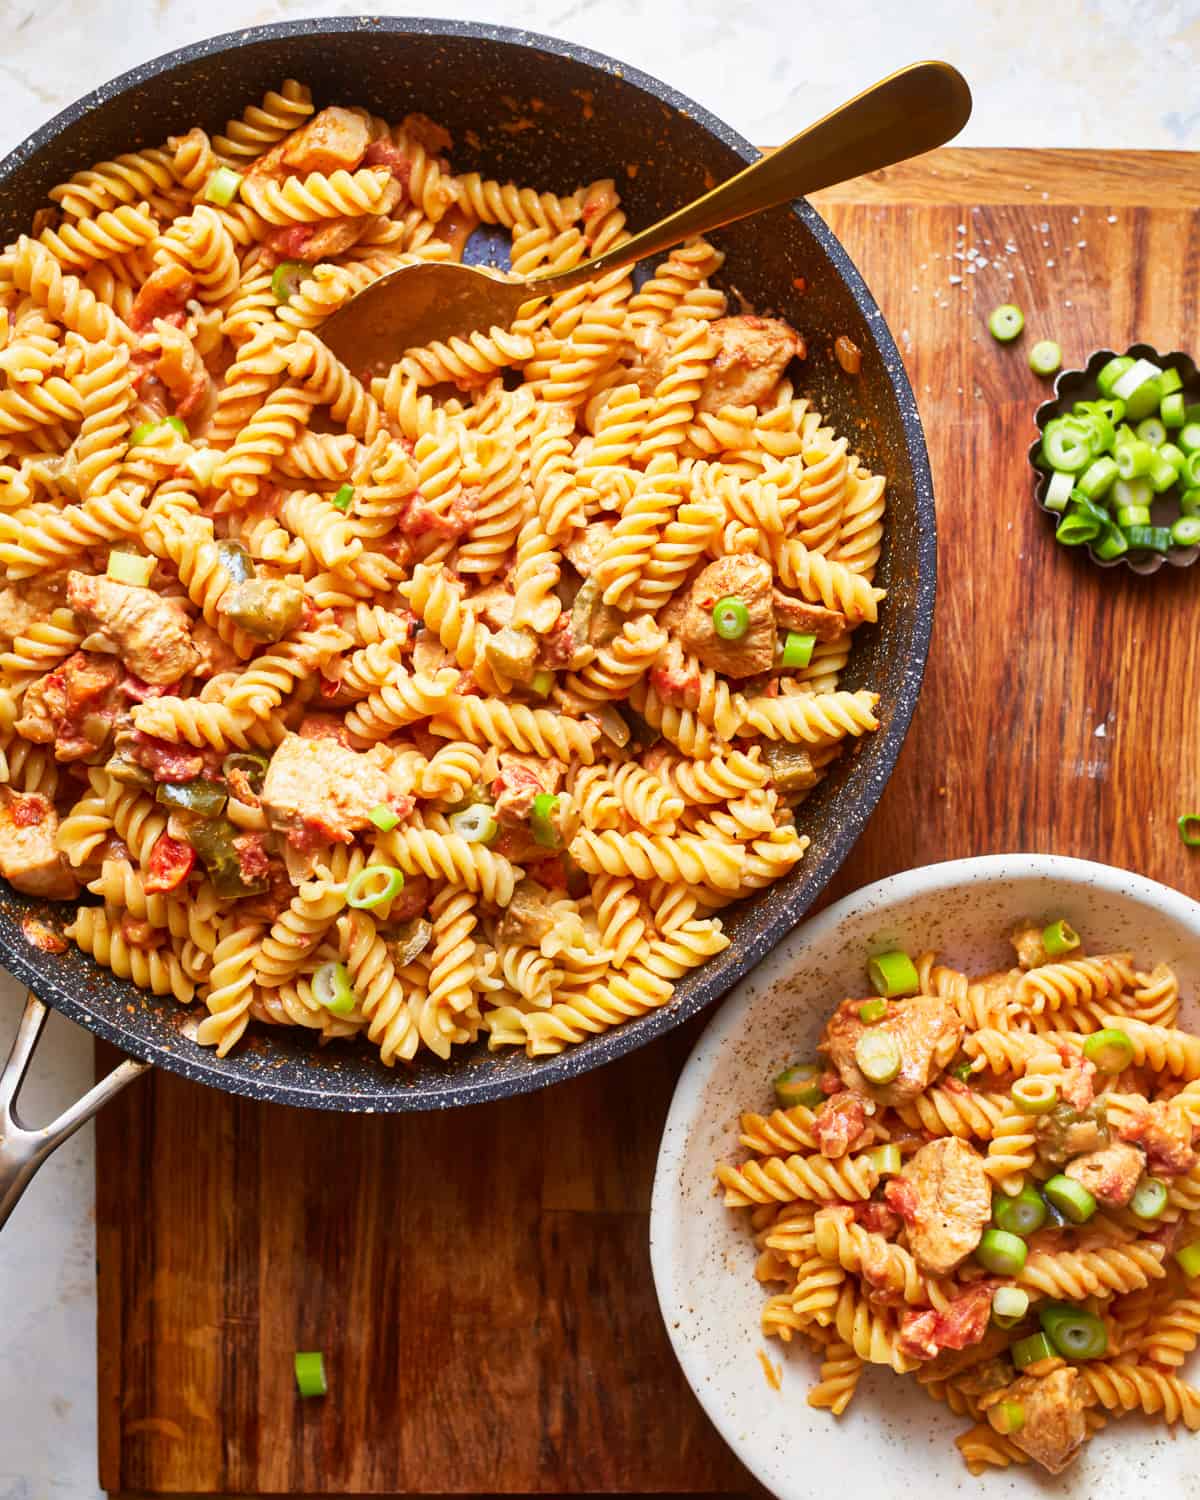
{"x": 480, "y": 1281}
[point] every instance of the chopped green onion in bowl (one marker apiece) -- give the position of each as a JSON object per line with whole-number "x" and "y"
{"x": 1113, "y": 461}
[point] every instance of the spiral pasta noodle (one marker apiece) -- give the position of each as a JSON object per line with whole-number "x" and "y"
{"x": 893, "y": 1253}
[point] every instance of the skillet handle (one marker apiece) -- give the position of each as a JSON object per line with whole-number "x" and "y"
{"x": 23, "y": 1150}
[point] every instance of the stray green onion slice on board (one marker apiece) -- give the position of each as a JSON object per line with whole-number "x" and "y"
{"x": 1006, "y": 322}
{"x": 1190, "y": 835}
{"x": 310, "y": 1373}
{"x": 1045, "y": 358}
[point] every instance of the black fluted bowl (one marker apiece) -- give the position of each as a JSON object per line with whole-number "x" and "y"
{"x": 552, "y": 115}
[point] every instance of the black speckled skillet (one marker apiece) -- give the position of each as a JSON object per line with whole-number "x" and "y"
{"x": 550, "y": 114}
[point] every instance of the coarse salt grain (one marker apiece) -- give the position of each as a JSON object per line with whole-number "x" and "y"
{"x": 1112, "y": 219}
{"x": 955, "y": 280}
{"x": 1050, "y": 262}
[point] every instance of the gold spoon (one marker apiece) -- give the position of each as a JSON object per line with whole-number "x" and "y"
{"x": 912, "y": 111}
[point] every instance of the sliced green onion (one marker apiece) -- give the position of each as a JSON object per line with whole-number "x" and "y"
{"x": 1185, "y": 532}
{"x": 1188, "y": 1259}
{"x": 129, "y": 567}
{"x": 1133, "y": 459}
{"x": 310, "y": 1367}
{"x": 1059, "y": 938}
{"x": 1149, "y": 1198}
{"x": 1163, "y": 473}
{"x": 886, "y": 1160}
{"x": 1023, "y": 1214}
{"x": 1010, "y": 1302}
{"x": 374, "y": 886}
{"x": 1006, "y": 322}
{"x": 1074, "y": 1332}
{"x": 1032, "y": 1351}
{"x": 1058, "y": 491}
{"x": 1112, "y": 372}
{"x": 1189, "y": 436}
{"x": 142, "y": 432}
{"x": 343, "y": 497}
{"x": 1071, "y": 1198}
{"x": 1149, "y": 538}
{"x": 475, "y": 824}
{"x": 1151, "y": 430}
{"x": 286, "y": 279}
{"x": 797, "y": 649}
{"x": 1132, "y": 492}
{"x": 1001, "y": 1253}
{"x": 893, "y": 974}
{"x": 541, "y": 821}
{"x": 799, "y": 1085}
{"x": 731, "y": 618}
{"x": 1131, "y": 379}
{"x": 542, "y": 682}
{"x": 1170, "y": 380}
{"x": 1110, "y": 1050}
{"x": 1111, "y": 543}
{"x": 1036, "y": 1096}
{"x": 1189, "y": 503}
{"x": 384, "y": 817}
{"x": 963, "y": 1071}
{"x": 1171, "y": 409}
{"x": 331, "y": 988}
{"x": 1007, "y": 1417}
{"x": 1143, "y": 401}
{"x": 1133, "y": 515}
{"x": 1075, "y": 528}
{"x": 1045, "y": 357}
{"x": 877, "y": 1054}
{"x": 1189, "y": 836}
{"x": 1099, "y": 477}
{"x": 222, "y": 186}
{"x": 1190, "y": 473}
{"x": 1068, "y": 444}
{"x": 871, "y": 1011}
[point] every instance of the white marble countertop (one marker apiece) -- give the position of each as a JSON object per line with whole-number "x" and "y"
{"x": 1097, "y": 73}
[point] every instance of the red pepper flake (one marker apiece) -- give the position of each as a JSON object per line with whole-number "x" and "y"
{"x": 41, "y": 935}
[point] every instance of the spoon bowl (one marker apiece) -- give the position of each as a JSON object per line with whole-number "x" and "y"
{"x": 905, "y": 114}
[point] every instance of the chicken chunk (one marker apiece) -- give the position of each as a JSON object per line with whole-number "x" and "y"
{"x": 584, "y": 549}
{"x": 320, "y": 241}
{"x": 927, "y": 1029}
{"x": 529, "y": 916}
{"x": 74, "y": 707}
{"x": 319, "y": 791}
{"x": 152, "y": 635}
{"x": 945, "y": 1199}
{"x": 651, "y": 348}
{"x": 741, "y": 577}
{"x": 26, "y": 603}
{"x": 30, "y": 858}
{"x": 1054, "y": 1428}
{"x": 753, "y": 353}
{"x": 840, "y": 1123}
{"x": 1026, "y": 938}
{"x": 494, "y": 606}
{"x": 518, "y": 782}
{"x": 333, "y": 140}
{"x": 1165, "y": 1134}
{"x": 1110, "y": 1176}
{"x": 809, "y": 619}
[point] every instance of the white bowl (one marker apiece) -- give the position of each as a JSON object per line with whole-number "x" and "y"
{"x": 893, "y": 1439}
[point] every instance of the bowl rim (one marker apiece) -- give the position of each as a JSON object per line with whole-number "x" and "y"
{"x": 449, "y": 1088}
{"x": 721, "y": 1032}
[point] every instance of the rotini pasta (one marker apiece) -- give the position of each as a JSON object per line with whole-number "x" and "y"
{"x": 897, "y": 1195}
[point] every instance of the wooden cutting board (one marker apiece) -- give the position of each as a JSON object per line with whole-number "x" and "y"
{"x": 479, "y": 1281}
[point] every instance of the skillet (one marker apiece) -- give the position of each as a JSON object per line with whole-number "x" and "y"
{"x": 549, "y": 114}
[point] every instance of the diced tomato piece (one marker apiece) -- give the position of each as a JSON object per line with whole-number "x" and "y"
{"x": 171, "y": 862}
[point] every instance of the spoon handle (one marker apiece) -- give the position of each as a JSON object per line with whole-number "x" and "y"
{"x": 914, "y": 110}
